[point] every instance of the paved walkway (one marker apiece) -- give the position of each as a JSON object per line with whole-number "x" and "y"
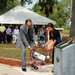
{"x": 7, "y": 70}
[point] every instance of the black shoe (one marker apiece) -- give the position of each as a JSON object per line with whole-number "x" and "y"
{"x": 52, "y": 71}
{"x": 24, "y": 69}
{"x": 35, "y": 67}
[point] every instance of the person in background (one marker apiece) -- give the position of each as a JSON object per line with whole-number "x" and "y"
{"x": 27, "y": 38}
{"x": 15, "y": 34}
{"x": 2, "y": 33}
{"x": 46, "y": 34}
{"x": 54, "y": 39}
{"x": 36, "y": 30}
{"x": 42, "y": 36}
{"x": 9, "y": 34}
{"x": 16, "y": 31}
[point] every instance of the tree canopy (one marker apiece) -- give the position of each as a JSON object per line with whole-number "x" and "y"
{"x": 6, "y": 5}
{"x": 47, "y": 6}
{"x": 60, "y": 11}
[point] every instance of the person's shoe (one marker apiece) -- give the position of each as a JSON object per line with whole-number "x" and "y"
{"x": 35, "y": 67}
{"x": 24, "y": 69}
{"x": 52, "y": 71}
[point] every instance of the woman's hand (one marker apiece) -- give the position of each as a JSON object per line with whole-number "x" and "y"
{"x": 50, "y": 48}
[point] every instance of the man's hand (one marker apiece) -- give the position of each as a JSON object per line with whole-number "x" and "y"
{"x": 30, "y": 48}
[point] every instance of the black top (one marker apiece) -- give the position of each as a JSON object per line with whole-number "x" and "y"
{"x": 56, "y": 36}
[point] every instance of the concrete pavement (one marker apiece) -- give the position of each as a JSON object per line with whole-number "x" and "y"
{"x": 7, "y": 70}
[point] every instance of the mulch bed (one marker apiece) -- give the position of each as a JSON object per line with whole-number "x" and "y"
{"x": 13, "y": 62}
{"x": 10, "y": 62}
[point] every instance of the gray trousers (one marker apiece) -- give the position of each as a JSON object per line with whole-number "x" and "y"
{"x": 23, "y": 53}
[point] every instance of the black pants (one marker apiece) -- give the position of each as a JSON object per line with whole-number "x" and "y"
{"x": 9, "y": 38}
{"x": 53, "y": 57}
{"x": 41, "y": 38}
{"x": 2, "y": 37}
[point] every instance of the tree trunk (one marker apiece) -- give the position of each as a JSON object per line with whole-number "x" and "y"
{"x": 72, "y": 32}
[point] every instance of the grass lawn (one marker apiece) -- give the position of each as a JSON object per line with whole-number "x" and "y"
{"x": 10, "y": 51}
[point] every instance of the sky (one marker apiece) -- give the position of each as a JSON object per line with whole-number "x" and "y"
{"x": 31, "y": 5}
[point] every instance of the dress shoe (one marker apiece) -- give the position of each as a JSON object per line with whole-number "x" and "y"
{"x": 24, "y": 69}
{"x": 52, "y": 71}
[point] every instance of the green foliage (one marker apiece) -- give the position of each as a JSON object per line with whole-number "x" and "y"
{"x": 61, "y": 10}
{"x": 62, "y": 14}
{"x": 36, "y": 9}
{"x": 67, "y": 27}
{"x": 60, "y": 22}
{"x": 11, "y": 5}
{"x": 8, "y": 6}
{"x": 47, "y": 6}
{"x": 56, "y": 17}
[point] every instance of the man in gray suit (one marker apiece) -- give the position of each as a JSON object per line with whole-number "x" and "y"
{"x": 26, "y": 38}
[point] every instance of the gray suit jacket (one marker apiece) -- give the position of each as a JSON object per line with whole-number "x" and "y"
{"x": 23, "y": 36}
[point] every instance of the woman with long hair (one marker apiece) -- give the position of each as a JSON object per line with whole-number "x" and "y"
{"x": 53, "y": 39}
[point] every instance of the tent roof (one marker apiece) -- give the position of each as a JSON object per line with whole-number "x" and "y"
{"x": 19, "y": 14}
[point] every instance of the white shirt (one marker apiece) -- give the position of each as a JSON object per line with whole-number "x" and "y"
{"x": 16, "y": 31}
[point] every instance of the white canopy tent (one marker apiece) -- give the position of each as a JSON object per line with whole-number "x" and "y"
{"x": 19, "y": 14}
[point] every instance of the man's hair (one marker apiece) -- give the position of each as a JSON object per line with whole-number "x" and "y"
{"x": 28, "y": 20}
{"x": 50, "y": 25}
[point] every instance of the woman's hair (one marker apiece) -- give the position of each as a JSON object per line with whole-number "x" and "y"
{"x": 50, "y": 25}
